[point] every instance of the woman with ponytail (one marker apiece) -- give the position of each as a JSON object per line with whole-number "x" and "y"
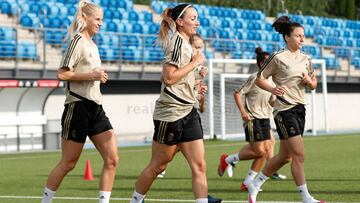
{"x": 292, "y": 73}
{"x": 255, "y": 111}
{"x": 83, "y": 115}
{"x": 177, "y": 122}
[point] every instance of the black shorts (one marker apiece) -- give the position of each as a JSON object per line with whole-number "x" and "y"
{"x": 291, "y": 122}
{"x": 183, "y": 130}
{"x": 257, "y": 130}
{"x": 83, "y": 118}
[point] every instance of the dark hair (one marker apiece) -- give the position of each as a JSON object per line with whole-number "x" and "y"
{"x": 169, "y": 16}
{"x": 285, "y": 26}
{"x": 194, "y": 36}
{"x": 260, "y": 56}
{"x": 178, "y": 11}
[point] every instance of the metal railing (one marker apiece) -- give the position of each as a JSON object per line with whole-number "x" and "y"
{"x": 117, "y": 50}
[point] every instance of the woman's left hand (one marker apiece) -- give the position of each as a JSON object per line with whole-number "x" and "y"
{"x": 306, "y": 79}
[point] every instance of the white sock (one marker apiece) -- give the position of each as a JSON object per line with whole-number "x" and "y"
{"x": 304, "y": 192}
{"x": 232, "y": 158}
{"x": 201, "y": 200}
{"x": 48, "y": 195}
{"x": 104, "y": 197}
{"x": 260, "y": 180}
{"x": 250, "y": 177}
{"x": 137, "y": 197}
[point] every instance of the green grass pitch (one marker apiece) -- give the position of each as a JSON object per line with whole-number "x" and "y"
{"x": 332, "y": 167}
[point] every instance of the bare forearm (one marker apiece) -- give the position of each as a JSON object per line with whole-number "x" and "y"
{"x": 173, "y": 76}
{"x": 72, "y": 76}
{"x": 238, "y": 102}
{"x": 263, "y": 84}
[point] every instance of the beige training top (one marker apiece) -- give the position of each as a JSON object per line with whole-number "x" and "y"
{"x": 82, "y": 56}
{"x": 286, "y": 70}
{"x": 256, "y": 99}
{"x": 176, "y": 100}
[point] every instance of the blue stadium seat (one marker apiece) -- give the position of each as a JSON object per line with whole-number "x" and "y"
{"x": 236, "y": 55}
{"x": 224, "y": 34}
{"x": 7, "y": 34}
{"x": 30, "y": 20}
{"x": 148, "y": 17}
{"x": 102, "y": 39}
{"x": 356, "y": 34}
{"x": 347, "y": 33}
{"x": 310, "y": 20}
{"x": 66, "y": 22}
{"x": 157, "y": 6}
{"x": 105, "y": 3}
{"x": 153, "y": 28}
{"x": 355, "y": 53}
{"x": 225, "y": 23}
{"x": 27, "y": 50}
{"x": 111, "y": 26}
{"x": 113, "y": 4}
{"x": 45, "y": 8}
{"x": 212, "y": 32}
{"x": 268, "y": 27}
{"x": 349, "y": 43}
{"x": 6, "y": 7}
{"x": 55, "y": 37}
{"x": 128, "y": 54}
{"x": 133, "y": 16}
{"x": 137, "y": 28}
{"x": 313, "y": 51}
{"x": 153, "y": 55}
{"x": 246, "y": 46}
{"x": 34, "y": 7}
{"x": 238, "y": 24}
{"x": 204, "y": 22}
{"x": 254, "y": 35}
{"x": 108, "y": 14}
{"x": 7, "y": 49}
{"x": 297, "y": 18}
{"x": 248, "y": 55}
{"x": 240, "y": 35}
{"x": 117, "y": 14}
{"x": 357, "y": 42}
{"x": 276, "y": 37}
{"x": 56, "y": 22}
{"x": 332, "y": 62}
{"x": 341, "y": 52}
{"x": 150, "y": 41}
{"x": 130, "y": 41}
{"x": 356, "y": 62}
{"x": 270, "y": 47}
{"x": 71, "y": 9}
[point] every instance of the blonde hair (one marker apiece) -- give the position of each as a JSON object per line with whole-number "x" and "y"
{"x": 167, "y": 25}
{"x": 85, "y": 9}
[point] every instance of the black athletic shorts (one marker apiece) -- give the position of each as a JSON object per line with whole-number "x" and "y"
{"x": 291, "y": 122}
{"x": 83, "y": 118}
{"x": 185, "y": 129}
{"x": 257, "y": 130}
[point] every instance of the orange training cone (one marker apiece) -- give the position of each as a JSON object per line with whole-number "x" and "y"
{"x": 88, "y": 171}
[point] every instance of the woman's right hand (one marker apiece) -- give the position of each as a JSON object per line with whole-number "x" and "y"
{"x": 246, "y": 117}
{"x": 99, "y": 75}
{"x": 278, "y": 91}
{"x": 198, "y": 58}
